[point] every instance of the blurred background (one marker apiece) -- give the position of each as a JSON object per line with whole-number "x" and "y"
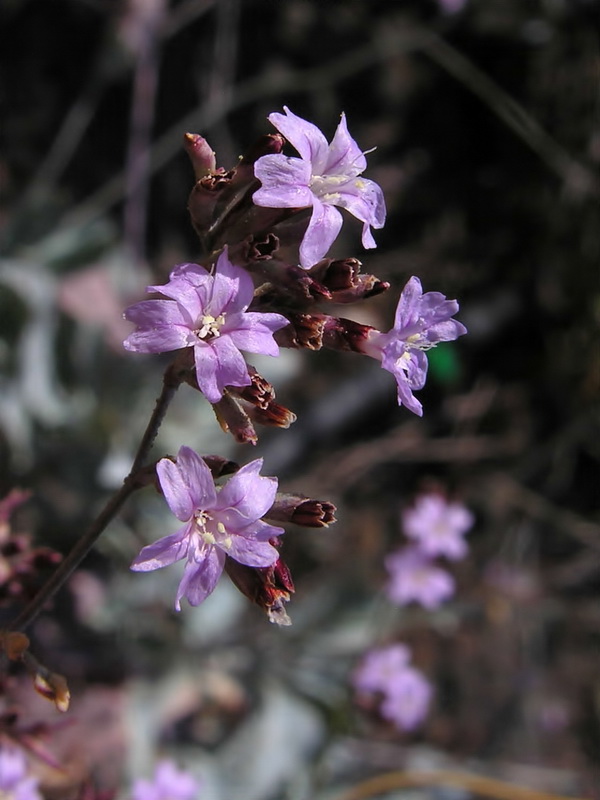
{"x": 485, "y": 117}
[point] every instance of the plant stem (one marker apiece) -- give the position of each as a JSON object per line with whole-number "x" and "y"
{"x": 171, "y": 382}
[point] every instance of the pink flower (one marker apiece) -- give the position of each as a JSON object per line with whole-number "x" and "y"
{"x": 421, "y": 322}
{"x": 218, "y": 523}
{"x": 325, "y": 176}
{"x": 437, "y": 526}
{"x": 209, "y": 313}
{"x": 14, "y": 783}
{"x": 168, "y": 783}
{"x": 407, "y": 702}
{"x": 413, "y": 578}
{"x": 406, "y": 693}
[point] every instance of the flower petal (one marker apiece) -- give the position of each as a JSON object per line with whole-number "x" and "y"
{"x": 163, "y": 552}
{"x": 232, "y": 288}
{"x": 198, "y": 477}
{"x": 248, "y": 492}
{"x": 187, "y": 485}
{"x": 344, "y": 156}
{"x": 200, "y": 576}
{"x": 306, "y": 138}
{"x": 323, "y": 228}
{"x": 253, "y": 331}
{"x": 364, "y": 200}
{"x": 157, "y": 340}
{"x": 251, "y": 552}
{"x": 284, "y": 182}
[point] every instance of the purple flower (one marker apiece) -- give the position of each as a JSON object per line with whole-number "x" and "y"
{"x": 206, "y": 312}
{"x": 14, "y": 783}
{"x": 437, "y": 526}
{"x": 413, "y": 578}
{"x": 379, "y": 668}
{"x": 168, "y": 784}
{"x": 407, "y": 702}
{"x": 406, "y": 693}
{"x": 421, "y": 321}
{"x": 218, "y": 523}
{"x": 325, "y": 176}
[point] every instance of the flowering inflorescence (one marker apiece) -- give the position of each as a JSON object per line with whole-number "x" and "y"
{"x": 266, "y": 227}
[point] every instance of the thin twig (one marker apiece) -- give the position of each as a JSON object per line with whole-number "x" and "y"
{"x": 83, "y": 546}
{"x": 479, "y": 784}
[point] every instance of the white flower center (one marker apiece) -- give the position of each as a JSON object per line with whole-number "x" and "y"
{"x": 418, "y": 342}
{"x": 209, "y": 327}
{"x": 326, "y": 187}
{"x": 210, "y": 531}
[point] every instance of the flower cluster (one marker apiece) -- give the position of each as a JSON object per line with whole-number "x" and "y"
{"x": 15, "y": 783}
{"x": 265, "y": 228}
{"x": 403, "y": 693}
{"x": 437, "y": 528}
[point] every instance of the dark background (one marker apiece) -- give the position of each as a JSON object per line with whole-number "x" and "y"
{"x": 485, "y": 121}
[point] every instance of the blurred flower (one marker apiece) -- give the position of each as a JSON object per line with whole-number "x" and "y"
{"x": 206, "y": 312}
{"x": 379, "y": 668}
{"x": 326, "y": 175}
{"x": 218, "y": 522}
{"x": 14, "y": 783}
{"x": 407, "y": 701}
{"x": 168, "y": 784}
{"x": 421, "y": 321}
{"x": 414, "y": 578}
{"x": 406, "y": 693}
{"x": 437, "y": 526}
{"x": 452, "y": 6}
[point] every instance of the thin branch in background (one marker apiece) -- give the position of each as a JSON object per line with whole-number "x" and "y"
{"x": 148, "y": 17}
{"x": 319, "y": 78}
{"x": 222, "y": 73}
{"x": 478, "y": 784}
{"x": 73, "y": 128}
{"x": 578, "y": 179}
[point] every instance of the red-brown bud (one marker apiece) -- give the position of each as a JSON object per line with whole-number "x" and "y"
{"x": 233, "y": 419}
{"x": 260, "y": 393}
{"x": 274, "y": 415}
{"x": 304, "y": 330}
{"x": 270, "y": 143}
{"x": 345, "y": 334}
{"x": 302, "y": 510}
{"x": 343, "y": 279}
{"x": 268, "y": 587}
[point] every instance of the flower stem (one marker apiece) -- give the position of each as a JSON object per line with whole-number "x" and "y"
{"x": 171, "y": 381}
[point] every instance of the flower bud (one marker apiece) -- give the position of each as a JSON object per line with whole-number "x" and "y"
{"x": 345, "y": 334}
{"x": 344, "y": 281}
{"x": 268, "y": 587}
{"x": 302, "y": 510}
{"x": 274, "y": 415}
{"x": 260, "y": 393}
{"x": 200, "y": 154}
{"x": 233, "y": 419}
{"x": 304, "y": 330}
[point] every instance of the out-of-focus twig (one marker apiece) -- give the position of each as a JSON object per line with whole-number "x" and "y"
{"x": 480, "y": 785}
{"x": 148, "y": 18}
{"x": 577, "y": 178}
